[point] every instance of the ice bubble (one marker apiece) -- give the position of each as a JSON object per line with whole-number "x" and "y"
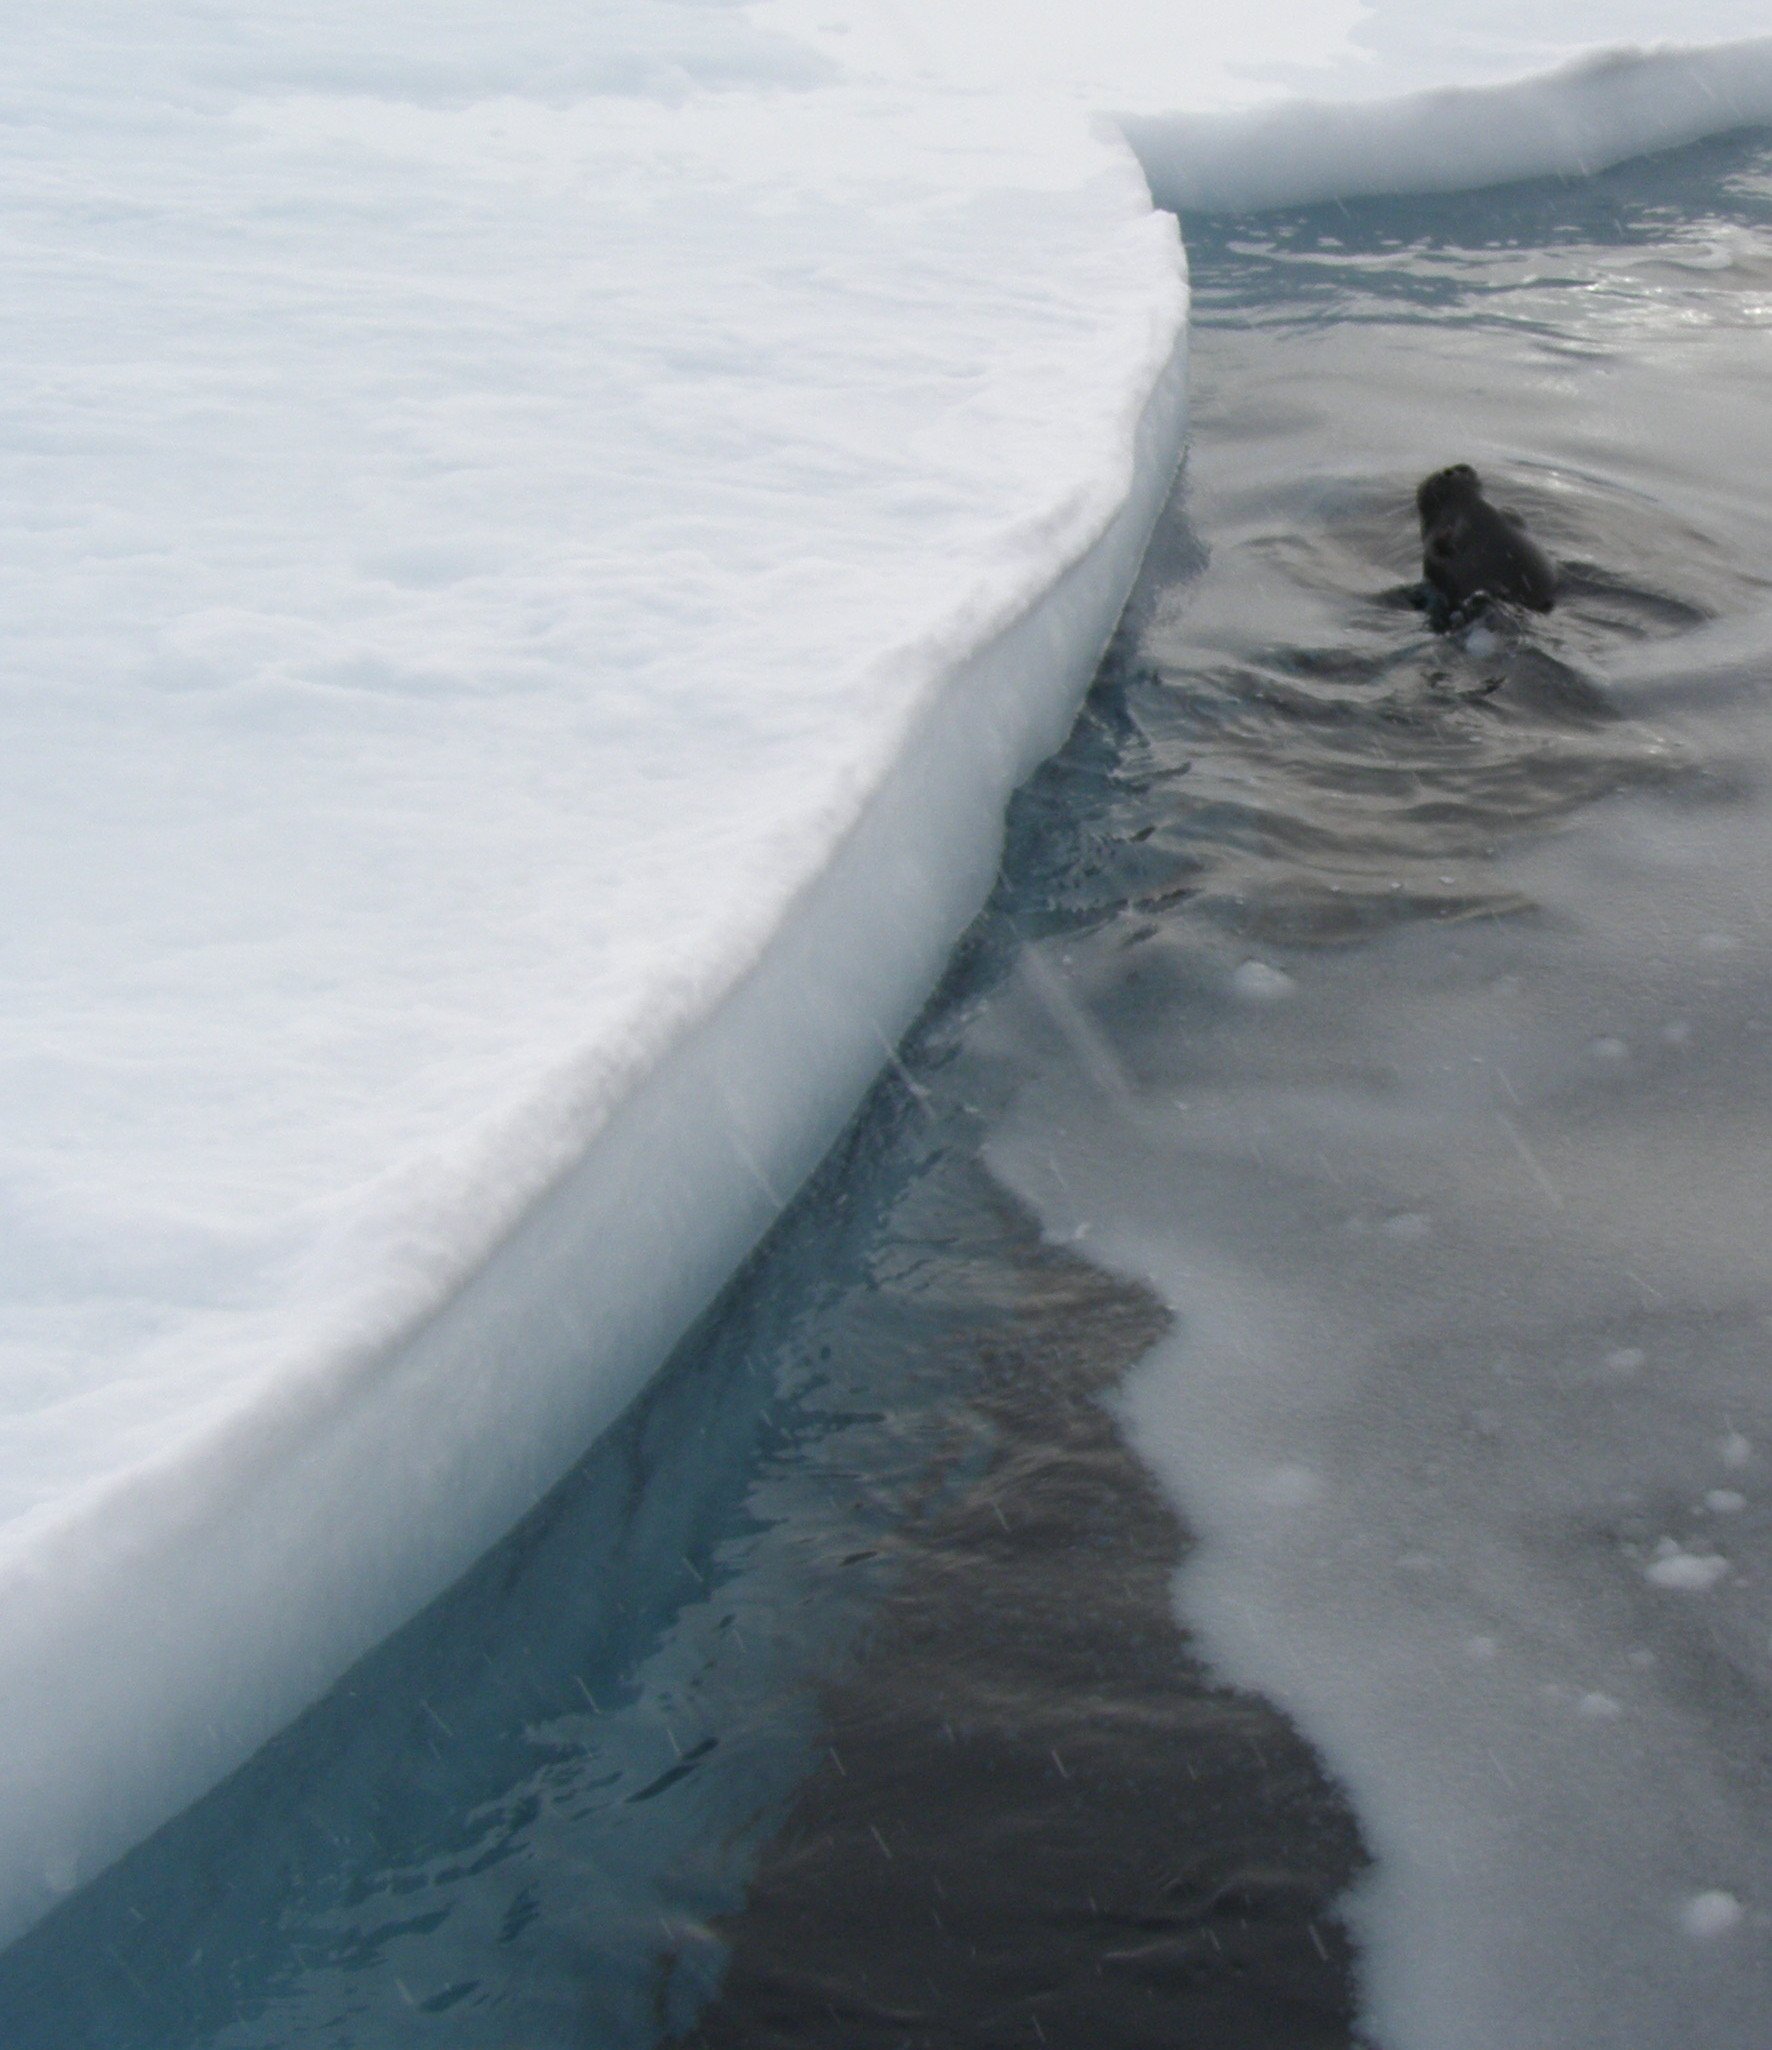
{"x": 1256, "y": 982}
{"x": 1480, "y": 1649}
{"x": 1725, "y": 1502}
{"x": 1678, "y": 1033}
{"x": 1408, "y": 1225}
{"x": 1682, "y": 1571}
{"x": 1609, "y": 1050}
{"x": 1734, "y": 1450}
{"x": 1710, "y": 1914}
{"x": 1625, "y": 1359}
{"x": 1718, "y": 943}
{"x": 1599, "y": 1708}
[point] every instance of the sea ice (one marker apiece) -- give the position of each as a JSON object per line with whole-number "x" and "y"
{"x": 534, "y": 562}
{"x": 538, "y": 543}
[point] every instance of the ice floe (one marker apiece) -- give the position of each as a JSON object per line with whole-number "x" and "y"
{"x": 537, "y": 545}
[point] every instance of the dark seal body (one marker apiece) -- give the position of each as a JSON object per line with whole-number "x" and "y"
{"x": 1473, "y": 550}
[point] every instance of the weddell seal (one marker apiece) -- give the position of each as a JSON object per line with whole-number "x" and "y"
{"x": 1472, "y": 550}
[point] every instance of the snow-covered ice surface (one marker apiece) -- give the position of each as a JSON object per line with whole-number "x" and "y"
{"x": 1429, "y": 1079}
{"x": 537, "y": 550}
{"x": 476, "y": 565}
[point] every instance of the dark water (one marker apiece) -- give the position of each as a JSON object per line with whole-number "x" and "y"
{"x": 838, "y": 1697}
{"x": 1035, "y": 1819}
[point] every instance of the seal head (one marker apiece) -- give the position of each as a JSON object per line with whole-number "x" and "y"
{"x": 1472, "y": 550}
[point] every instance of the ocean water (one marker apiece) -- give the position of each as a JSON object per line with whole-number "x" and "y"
{"x": 1234, "y": 1508}
{"x": 1428, "y": 1087}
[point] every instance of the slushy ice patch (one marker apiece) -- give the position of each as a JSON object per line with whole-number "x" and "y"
{"x": 1427, "y": 1075}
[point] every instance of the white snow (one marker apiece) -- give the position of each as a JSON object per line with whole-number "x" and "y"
{"x": 537, "y": 544}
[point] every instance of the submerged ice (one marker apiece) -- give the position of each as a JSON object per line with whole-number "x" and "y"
{"x": 1433, "y": 1091}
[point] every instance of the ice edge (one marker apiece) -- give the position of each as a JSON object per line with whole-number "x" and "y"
{"x": 221, "y": 1556}
{"x": 1585, "y": 116}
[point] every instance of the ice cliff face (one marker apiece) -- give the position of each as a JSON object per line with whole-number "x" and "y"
{"x": 536, "y": 552}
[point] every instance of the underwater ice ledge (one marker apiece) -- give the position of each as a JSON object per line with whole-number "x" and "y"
{"x": 163, "y": 1629}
